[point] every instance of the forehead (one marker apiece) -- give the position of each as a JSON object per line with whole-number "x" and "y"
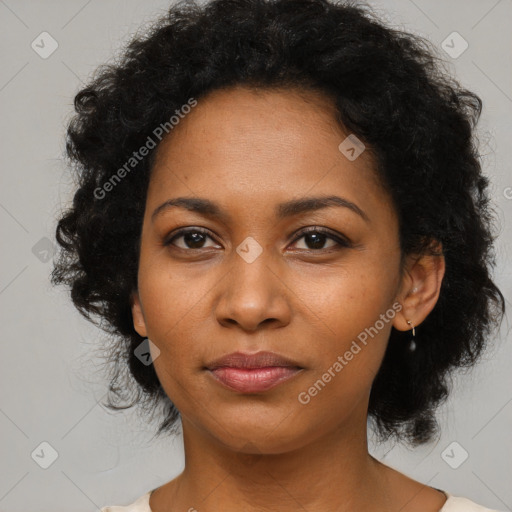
{"x": 258, "y": 144}
{"x": 250, "y": 119}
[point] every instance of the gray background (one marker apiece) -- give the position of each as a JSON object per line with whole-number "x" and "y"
{"x": 51, "y": 382}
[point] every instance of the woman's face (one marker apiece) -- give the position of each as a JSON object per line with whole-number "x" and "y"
{"x": 246, "y": 280}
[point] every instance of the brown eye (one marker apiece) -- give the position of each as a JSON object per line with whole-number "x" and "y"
{"x": 315, "y": 239}
{"x": 193, "y": 238}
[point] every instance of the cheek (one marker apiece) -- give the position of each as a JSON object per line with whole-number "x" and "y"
{"x": 351, "y": 299}
{"x": 171, "y": 298}
{"x": 348, "y": 360}
{"x": 170, "y": 318}
{"x": 357, "y": 314}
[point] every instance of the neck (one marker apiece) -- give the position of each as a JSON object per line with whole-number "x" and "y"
{"x": 331, "y": 473}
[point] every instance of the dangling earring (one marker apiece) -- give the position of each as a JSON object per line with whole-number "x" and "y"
{"x": 412, "y": 342}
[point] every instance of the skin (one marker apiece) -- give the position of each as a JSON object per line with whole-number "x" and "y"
{"x": 198, "y": 300}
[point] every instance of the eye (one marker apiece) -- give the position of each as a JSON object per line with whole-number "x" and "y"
{"x": 316, "y": 237}
{"x": 193, "y": 238}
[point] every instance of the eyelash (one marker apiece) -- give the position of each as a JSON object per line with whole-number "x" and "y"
{"x": 340, "y": 241}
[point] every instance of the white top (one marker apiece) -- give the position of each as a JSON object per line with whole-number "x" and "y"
{"x": 452, "y": 504}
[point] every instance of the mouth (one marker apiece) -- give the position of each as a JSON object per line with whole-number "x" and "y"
{"x": 253, "y": 373}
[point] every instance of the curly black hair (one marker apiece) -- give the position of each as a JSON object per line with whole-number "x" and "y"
{"x": 391, "y": 89}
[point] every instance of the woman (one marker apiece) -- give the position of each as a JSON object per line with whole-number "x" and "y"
{"x": 282, "y": 219}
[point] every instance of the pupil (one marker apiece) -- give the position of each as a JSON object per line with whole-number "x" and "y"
{"x": 190, "y": 239}
{"x": 318, "y": 240}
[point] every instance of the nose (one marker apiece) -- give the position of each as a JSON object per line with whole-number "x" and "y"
{"x": 253, "y": 295}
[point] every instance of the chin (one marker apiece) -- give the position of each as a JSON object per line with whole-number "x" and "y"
{"x": 257, "y": 434}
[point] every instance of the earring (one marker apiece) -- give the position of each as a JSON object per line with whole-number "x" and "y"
{"x": 412, "y": 342}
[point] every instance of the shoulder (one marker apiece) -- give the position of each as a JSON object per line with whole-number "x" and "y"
{"x": 452, "y": 504}
{"x": 139, "y": 505}
{"x": 461, "y": 504}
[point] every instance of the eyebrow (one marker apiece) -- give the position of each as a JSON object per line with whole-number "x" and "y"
{"x": 290, "y": 208}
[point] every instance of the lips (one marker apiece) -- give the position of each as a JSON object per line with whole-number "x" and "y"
{"x": 257, "y": 360}
{"x": 253, "y": 373}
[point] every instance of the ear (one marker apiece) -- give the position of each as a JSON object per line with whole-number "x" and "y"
{"x": 420, "y": 287}
{"x": 139, "y": 323}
